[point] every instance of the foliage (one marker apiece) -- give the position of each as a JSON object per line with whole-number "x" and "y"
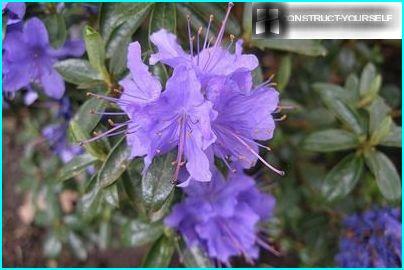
{"x": 340, "y": 144}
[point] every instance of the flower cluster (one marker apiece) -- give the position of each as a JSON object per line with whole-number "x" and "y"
{"x": 371, "y": 239}
{"x": 28, "y": 58}
{"x": 221, "y": 216}
{"x": 209, "y": 105}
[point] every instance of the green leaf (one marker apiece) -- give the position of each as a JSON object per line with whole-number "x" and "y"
{"x": 4, "y": 24}
{"x": 163, "y": 15}
{"x": 378, "y": 111}
{"x": 115, "y": 163}
{"x": 330, "y": 91}
{"x": 56, "y": 26}
{"x": 301, "y": 46}
{"x": 195, "y": 257}
{"x": 137, "y": 233}
{"x": 258, "y": 78}
{"x": 386, "y": 175}
{"x": 76, "y": 166}
{"x": 367, "y": 78}
{"x": 284, "y": 71}
{"x": 393, "y": 139}
{"x": 160, "y": 253}
{"x": 343, "y": 177}
{"x": 345, "y": 114}
{"x": 90, "y": 203}
{"x": 330, "y": 140}
{"x": 83, "y": 124}
{"x": 96, "y": 52}
{"x": 77, "y": 71}
{"x": 77, "y": 246}
{"x": 118, "y": 22}
{"x": 352, "y": 86}
{"x": 382, "y": 131}
{"x": 156, "y": 183}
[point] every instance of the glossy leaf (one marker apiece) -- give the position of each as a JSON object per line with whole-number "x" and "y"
{"x": 118, "y": 22}
{"x": 343, "y": 177}
{"x": 382, "y": 131}
{"x": 90, "y": 203}
{"x": 367, "y": 77}
{"x": 77, "y": 71}
{"x": 330, "y": 91}
{"x": 393, "y": 138}
{"x": 75, "y": 166}
{"x": 115, "y": 163}
{"x": 284, "y": 71}
{"x": 163, "y": 16}
{"x": 160, "y": 253}
{"x": 302, "y": 46}
{"x": 77, "y": 246}
{"x": 156, "y": 183}
{"x": 56, "y": 26}
{"x": 386, "y": 175}
{"x": 330, "y": 140}
{"x": 137, "y": 233}
{"x": 378, "y": 111}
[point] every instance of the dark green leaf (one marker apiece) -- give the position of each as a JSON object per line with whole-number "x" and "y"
{"x": 156, "y": 183}
{"x": 110, "y": 194}
{"x": 77, "y": 71}
{"x": 330, "y": 91}
{"x": 160, "y": 253}
{"x": 258, "y": 78}
{"x": 345, "y": 113}
{"x": 90, "y": 203}
{"x": 119, "y": 21}
{"x": 56, "y": 26}
{"x": 4, "y": 28}
{"x": 330, "y": 140}
{"x": 386, "y": 175}
{"x": 137, "y": 233}
{"x": 163, "y": 15}
{"x": 195, "y": 257}
{"x": 393, "y": 139}
{"x": 343, "y": 177}
{"x": 284, "y": 71}
{"x": 76, "y": 166}
{"x": 305, "y": 46}
{"x": 352, "y": 85}
{"x": 115, "y": 163}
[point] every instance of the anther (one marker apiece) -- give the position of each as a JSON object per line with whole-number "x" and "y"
{"x": 283, "y": 117}
{"x": 110, "y": 122}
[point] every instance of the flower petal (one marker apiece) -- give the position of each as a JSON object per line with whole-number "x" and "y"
{"x": 35, "y": 33}
{"x": 52, "y": 83}
{"x": 140, "y": 87}
{"x": 169, "y": 51}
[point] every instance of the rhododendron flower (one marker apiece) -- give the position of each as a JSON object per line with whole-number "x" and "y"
{"x": 28, "y": 58}
{"x": 221, "y": 217}
{"x": 15, "y": 12}
{"x": 371, "y": 239}
{"x": 179, "y": 118}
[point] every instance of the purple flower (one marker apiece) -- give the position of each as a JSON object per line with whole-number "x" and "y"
{"x": 56, "y": 134}
{"x": 29, "y": 58}
{"x": 221, "y": 216}
{"x": 178, "y": 118}
{"x": 244, "y": 111}
{"x": 14, "y": 11}
{"x": 206, "y": 60}
{"x": 372, "y": 239}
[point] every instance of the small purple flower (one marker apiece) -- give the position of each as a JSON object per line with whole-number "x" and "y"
{"x": 28, "y": 58}
{"x": 178, "y": 118}
{"x": 14, "y": 11}
{"x": 56, "y": 134}
{"x": 372, "y": 239}
{"x": 221, "y": 217}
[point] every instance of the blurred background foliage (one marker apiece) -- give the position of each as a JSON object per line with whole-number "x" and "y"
{"x": 340, "y": 143}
